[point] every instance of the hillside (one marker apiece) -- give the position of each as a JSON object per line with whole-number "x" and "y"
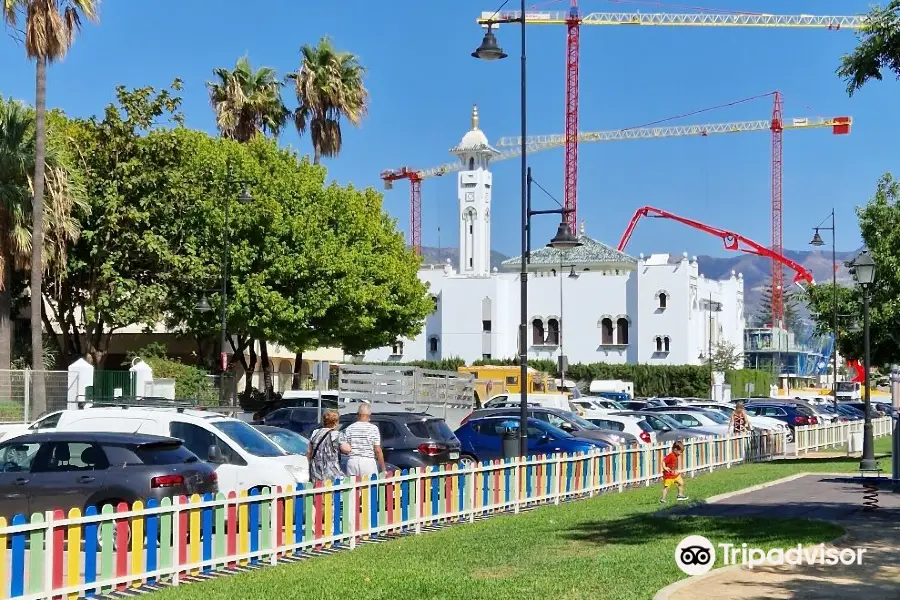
{"x": 756, "y": 270}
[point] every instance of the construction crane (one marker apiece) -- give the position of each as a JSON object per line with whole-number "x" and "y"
{"x": 573, "y": 21}
{"x": 839, "y": 125}
{"x": 732, "y": 241}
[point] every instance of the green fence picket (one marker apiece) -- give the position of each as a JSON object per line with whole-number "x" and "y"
{"x": 37, "y": 556}
{"x": 265, "y": 529}
{"x": 166, "y": 557}
{"x": 219, "y": 547}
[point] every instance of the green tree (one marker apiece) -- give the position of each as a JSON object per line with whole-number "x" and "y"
{"x": 726, "y": 356}
{"x": 763, "y": 315}
{"x": 878, "y": 49}
{"x": 820, "y": 300}
{"x": 117, "y": 272}
{"x": 50, "y": 29}
{"x": 247, "y": 102}
{"x": 328, "y": 86}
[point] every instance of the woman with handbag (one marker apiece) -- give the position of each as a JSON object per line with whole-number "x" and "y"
{"x": 325, "y": 449}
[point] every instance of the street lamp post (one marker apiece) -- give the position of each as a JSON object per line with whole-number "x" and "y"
{"x": 563, "y": 361}
{"x": 863, "y": 270}
{"x": 817, "y": 241}
{"x": 203, "y": 303}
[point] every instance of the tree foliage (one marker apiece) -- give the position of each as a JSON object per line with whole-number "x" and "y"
{"x": 247, "y": 102}
{"x": 763, "y": 316}
{"x": 310, "y": 264}
{"x": 879, "y": 222}
{"x": 726, "y": 356}
{"x": 878, "y": 50}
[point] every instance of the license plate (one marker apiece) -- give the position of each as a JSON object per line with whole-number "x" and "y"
{"x": 454, "y": 455}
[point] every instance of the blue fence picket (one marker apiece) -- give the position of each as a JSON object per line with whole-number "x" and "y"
{"x": 152, "y": 532}
{"x": 254, "y": 525}
{"x": 206, "y": 529}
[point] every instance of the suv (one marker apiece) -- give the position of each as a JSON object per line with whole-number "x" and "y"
{"x": 243, "y": 457}
{"x": 63, "y": 470}
{"x": 299, "y": 399}
{"x": 411, "y": 440}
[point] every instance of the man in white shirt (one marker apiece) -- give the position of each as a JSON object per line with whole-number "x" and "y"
{"x": 365, "y": 445}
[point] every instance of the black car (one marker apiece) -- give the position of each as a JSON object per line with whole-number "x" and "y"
{"x": 411, "y": 440}
{"x": 565, "y": 420}
{"x": 63, "y": 470}
{"x": 330, "y": 400}
{"x": 302, "y": 420}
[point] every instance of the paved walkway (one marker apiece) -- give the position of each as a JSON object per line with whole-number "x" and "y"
{"x": 837, "y": 499}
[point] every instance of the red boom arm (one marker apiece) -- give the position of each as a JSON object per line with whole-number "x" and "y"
{"x": 732, "y": 241}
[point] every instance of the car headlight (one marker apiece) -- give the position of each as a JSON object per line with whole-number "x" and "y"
{"x": 298, "y": 473}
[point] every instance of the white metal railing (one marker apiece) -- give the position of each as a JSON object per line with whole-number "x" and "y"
{"x": 810, "y": 438}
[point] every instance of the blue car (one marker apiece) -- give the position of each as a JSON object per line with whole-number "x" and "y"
{"x": 482, "y": 439}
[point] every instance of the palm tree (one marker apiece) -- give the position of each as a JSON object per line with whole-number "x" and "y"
{"x": 64, "y": 197}
{"x": 247, "y": 102}
{"x": 328, "y": 86}
{"x": 50, "y": 28}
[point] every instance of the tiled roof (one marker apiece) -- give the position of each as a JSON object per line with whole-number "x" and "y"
{"x": 591, "y": 252}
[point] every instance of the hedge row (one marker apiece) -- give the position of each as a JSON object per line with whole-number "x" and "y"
{"x": 649, "y": 380}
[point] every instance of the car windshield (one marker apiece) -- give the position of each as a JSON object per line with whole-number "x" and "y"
{"x": 716, "y": 417}
{"x": 289, "y": 440}
{"x": 541, "y": 426}
{"x": 583, "y": 423}
{"x": 669, "y": 421}
{"x": 248, "y": 438}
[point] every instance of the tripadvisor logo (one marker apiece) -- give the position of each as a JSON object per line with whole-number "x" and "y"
{"x": 696, "y": 555}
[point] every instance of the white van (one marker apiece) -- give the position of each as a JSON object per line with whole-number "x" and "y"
{"x": 243, "y": 457}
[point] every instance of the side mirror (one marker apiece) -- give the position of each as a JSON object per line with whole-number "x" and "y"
{"x": 567, "y": 427}
{"x": 215, "y": 455}
{"x": 546, "y": 439}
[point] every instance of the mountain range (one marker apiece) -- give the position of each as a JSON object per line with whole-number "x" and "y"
{"x": 757, "y": 270}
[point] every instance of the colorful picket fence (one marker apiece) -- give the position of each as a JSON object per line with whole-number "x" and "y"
{"x": 69, "y": 554}
{"x": 812, "y": 438}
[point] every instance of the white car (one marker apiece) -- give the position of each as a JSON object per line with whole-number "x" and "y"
{"x": 636, "y": 426}
{"x": 243, "y": 457}
{"x": 707, "y": 420}
{"x": 762, "y": 423}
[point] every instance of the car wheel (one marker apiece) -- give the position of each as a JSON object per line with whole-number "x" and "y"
{"x": 467, "y": 461}
{"x": 115, "y": 531}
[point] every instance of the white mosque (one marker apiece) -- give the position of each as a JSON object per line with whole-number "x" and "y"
{"x": 591, "y": 303}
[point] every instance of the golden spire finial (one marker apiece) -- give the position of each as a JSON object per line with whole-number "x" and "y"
{"x": 474, "y": 117}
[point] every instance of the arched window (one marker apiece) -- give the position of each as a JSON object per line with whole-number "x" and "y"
{"x": 622, "y": 331}
{"x": 659, "y": 344}
{"x": 537, "y": 332}
{"x": 397, "y": 348}
{"x": 553, "y": 332}
{"x": 471, "y": 164}
{"x": 663, "y": 299}
{"x": 433, "y": 344}
{"x": 606, "y": 331}
{"x": 666, "y": 344}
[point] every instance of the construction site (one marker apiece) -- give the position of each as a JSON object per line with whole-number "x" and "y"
{"x": 798, "y": 358}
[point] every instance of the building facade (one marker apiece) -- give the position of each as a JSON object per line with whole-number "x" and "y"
{"x": 591, "y": 303}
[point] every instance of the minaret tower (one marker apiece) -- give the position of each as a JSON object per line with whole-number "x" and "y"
{"x": 474, "y": 196}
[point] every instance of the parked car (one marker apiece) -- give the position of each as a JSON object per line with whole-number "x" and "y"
{"x": 589, "y": 403}
{"x": 302, "y": 420}
{"x": 791, "y": 413}
{"x": 482, "y": 438}
{"x": 299, "y": 399}
{"x": 707, "y": 420}
{"x": 635, "y": 426}
{"x": 243, "y": 457}
{"x": 565, "y": 420}
{"x": 756, "y": 421}
{"x": 411, "y": 440}
{"x": 510, "y": 400}
{"x": 63, "y": 470}
{"x": 667, "y": 429}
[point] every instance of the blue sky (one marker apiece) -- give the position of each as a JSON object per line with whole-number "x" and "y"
{"x": 423, "y": 83}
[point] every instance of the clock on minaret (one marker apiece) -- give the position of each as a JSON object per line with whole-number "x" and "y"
{"x": 470, "y": 196}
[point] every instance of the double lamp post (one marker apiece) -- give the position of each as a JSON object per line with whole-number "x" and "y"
{"x": 863, "y": 270}
{"x": 564, "y": 238}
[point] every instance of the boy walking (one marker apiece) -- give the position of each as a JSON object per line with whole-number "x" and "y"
{"x": 671, "y": 475}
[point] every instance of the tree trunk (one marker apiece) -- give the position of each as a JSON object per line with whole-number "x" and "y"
{"x": 317, "y": 155}
{"x": 250, "y": 369}
{"x": 298, "y": 371}
{"x": 6, "y": 321}
{"x": 266, "y": 367}
{"x": 38, "y": 399}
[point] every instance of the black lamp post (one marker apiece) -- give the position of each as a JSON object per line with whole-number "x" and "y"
{"x": 863, "y": 270}
{"x": 817, "y": 241}
{"x": 203, "y": 303}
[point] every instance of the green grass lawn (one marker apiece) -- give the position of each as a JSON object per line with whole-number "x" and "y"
{"x": 851, "y": 463}
{"x": 614, "y": 546}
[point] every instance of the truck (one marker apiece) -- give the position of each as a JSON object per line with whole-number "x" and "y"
{"x": 848, "y": 391}
{"x": 614, "y": 389}
{"x": 491, "y": 380}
